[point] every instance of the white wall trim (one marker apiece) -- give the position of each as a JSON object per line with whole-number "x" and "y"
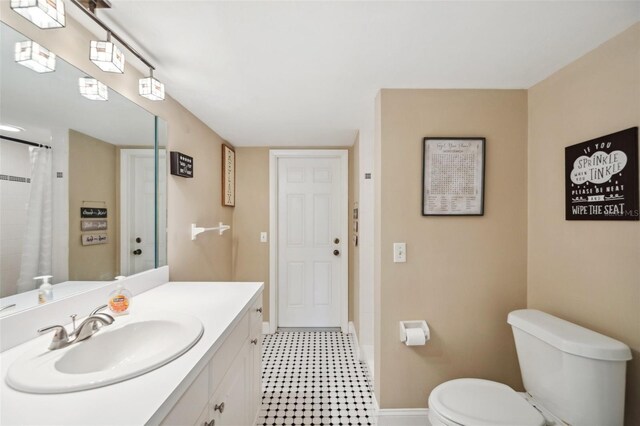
{"x": 274, "y": 155}
{"x": 354, "y": 339}
{"x": 403, "y": 417}
{"x": 273, "y": 236}
{"x": 400, "y": 416}
{"x": 265, "y": 328}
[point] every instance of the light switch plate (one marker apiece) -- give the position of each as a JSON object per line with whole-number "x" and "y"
{"x": 399, "y": 252}
{"x": 263, "y": 237}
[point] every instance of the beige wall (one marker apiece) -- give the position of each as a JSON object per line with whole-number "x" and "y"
{"x": 92, "y": 177}
{"x": 196, "y": 200}
{"x": 587, "y": 272}
{"x": 251, "y": 216}
{"x": 463, "y": 274}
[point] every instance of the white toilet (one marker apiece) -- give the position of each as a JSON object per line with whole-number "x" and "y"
{"x": 572, "y": 376}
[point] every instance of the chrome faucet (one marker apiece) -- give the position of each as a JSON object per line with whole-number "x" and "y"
{"x": 86, "y": 329}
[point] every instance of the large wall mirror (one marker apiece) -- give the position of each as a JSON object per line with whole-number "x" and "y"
{"x": 82, "y": 183}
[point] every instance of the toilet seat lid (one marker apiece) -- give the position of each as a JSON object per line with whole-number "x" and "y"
{"x": 483, "y": 403}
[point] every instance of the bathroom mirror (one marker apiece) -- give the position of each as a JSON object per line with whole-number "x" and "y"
{"x": 82, "y": 183}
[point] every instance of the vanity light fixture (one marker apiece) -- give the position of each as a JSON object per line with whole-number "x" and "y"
{"x": 107, "y": 56}
{"x": 93, "y": 89}
{"x": 151, "y": 88}
{"x": 43, "y": 13}
{"x": 33, "y": 56}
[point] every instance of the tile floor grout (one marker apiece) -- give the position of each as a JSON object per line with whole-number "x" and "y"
{"x": 313, "y": 378}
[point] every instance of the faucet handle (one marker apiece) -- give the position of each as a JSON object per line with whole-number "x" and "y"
{"x": 98, "y": 309}
{"x": 60, "y": 337}
{"x": 60, "y": 329}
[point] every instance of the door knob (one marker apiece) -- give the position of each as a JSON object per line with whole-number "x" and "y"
{"x": 138, "y": 240}
{"x": 219, "y": 407}
{"x": 336, "y": 241}
{"x": 254, "y": 341}
{"x": 137, "y": 252}
{"x": 336, "y": 252}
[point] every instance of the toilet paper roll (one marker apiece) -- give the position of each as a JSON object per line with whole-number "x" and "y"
{"x": 415, "y": 337}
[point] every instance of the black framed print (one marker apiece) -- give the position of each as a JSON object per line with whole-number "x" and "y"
{"x": 601, "y": 178}
{"x": 453, "y": 176}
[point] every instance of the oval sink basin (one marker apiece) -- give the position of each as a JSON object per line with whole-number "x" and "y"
{"x": 131, "y": 346}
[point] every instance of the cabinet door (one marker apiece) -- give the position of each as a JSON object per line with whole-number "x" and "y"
{"x": 205, "y": 418}
{"x": 231, "y": 401}
{"x": 189, "y": 408}
{"x": 255, "y": 379}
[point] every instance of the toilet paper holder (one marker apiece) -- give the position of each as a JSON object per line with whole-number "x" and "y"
{"x": 421, "y": 324}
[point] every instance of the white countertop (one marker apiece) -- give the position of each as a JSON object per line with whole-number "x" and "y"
{"x": 144, "y": 399}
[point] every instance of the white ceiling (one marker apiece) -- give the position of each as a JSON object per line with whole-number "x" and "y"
{"x": 306, "y": 73}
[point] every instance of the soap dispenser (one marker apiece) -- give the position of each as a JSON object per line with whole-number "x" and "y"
{"x": 120, "y": 298}
{"x": 45, "y": 290}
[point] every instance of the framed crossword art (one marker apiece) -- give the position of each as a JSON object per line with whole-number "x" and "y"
{"x": 453, "y": 176}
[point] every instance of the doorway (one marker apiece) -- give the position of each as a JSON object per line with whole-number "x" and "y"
{"x": 309, "y": 239}
{"x": 138, "y": 210}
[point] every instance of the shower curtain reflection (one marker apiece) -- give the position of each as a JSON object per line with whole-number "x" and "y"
{"x": 37, "y": 244}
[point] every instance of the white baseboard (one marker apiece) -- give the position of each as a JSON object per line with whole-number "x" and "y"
{"x": 354, "y": 339}
{"x": 400, "y": 416}
{"x": 265, "y": 327}
{"x": 403, "y": 417}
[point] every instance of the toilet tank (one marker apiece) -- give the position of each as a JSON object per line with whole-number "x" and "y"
{"x": 576, "y": 373}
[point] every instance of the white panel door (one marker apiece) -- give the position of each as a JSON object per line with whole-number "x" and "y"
{"x": 137, "y": 211}
{"x": 310, "y": 262}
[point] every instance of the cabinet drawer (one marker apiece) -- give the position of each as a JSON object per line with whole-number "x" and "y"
{"x": 189, "y": 408}
{"x": 224, "y": 357}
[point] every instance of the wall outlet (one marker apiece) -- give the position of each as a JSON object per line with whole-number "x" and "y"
{"x": 399, "y": 252}
{"x": 263, "y": 237}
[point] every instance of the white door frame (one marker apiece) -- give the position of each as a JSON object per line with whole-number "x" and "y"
{"x": 126, "y": 203}
{"x": 274, "y": 156}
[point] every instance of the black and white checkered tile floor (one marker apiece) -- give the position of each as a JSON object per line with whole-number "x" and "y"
{"x": 313, "y": 378}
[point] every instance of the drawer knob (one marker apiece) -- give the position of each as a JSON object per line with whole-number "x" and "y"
{"x": 219, "y": 407}
{"x": 211, "y": 423}
{"x": 259, "y": 310}
{"x": 254, "y": 341}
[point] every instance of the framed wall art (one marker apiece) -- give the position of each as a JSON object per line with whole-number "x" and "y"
{"x": 453, "y": 176}
{"x": 228, "y": 176}
{"x": 601, "y": 178}
{"x": 93, "y": 225}
{"x": 181, "y": 164}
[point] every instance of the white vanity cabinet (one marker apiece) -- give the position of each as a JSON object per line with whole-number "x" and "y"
{"x": 223, "y": 367}
{"x": 228, "y": 391}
